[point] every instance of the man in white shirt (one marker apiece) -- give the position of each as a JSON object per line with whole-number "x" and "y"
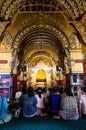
{"x": 82, "y": 103}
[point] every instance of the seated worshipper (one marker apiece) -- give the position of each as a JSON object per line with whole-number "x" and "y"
{"x": 40, "y": 103}
{"x": 28, "y": 103}
{"x": 17, "y": 103}
{"x": 46, "y": 100}
{"x": 18, "y": 95}
{"x": 69, "y": 106}
{"x": 55, "y": 99}
{"x": 4, "y": 115}
{"x": 14, "y": 105}
{"x": 82, "y": 103}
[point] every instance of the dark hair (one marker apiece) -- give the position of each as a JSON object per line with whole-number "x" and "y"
{"x": 44, "y": 90}
{"x": 55, "y": 90}
{"x": 68, "y": 92}
{"x": 51, "y": 90}
{"x": 39, "y": 92}
{"x": 60, "y": 89}
{"x": 84, "y": 89}
{"x": 30, "y": 92}
{"x": 24, "y": 90}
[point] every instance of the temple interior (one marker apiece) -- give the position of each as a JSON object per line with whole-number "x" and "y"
{"x": 43, "y": 43}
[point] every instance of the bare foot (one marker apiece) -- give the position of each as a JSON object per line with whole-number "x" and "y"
{"x": 44, "y": 115}
{"x": 56, "y": 117}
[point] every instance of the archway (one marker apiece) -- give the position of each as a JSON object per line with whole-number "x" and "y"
{"x": 40, "y": 78}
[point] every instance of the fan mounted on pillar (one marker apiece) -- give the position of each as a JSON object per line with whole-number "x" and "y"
{"x": 13, "y": 63}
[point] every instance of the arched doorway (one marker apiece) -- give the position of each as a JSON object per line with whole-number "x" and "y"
{"x": 41, "y": 78}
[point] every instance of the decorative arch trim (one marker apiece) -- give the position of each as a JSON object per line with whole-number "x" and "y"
{"x": 56, "y": 31}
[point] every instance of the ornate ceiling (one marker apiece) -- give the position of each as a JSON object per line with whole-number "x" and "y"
{"x": 42, "y": 28}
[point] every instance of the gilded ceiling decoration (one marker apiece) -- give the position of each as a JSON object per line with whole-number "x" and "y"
{"x": 30, "y": 30}
{"x": 40, "y": 37}
{"x": 42, "y": 24}
{"x": 74, "y": 9}
{"x": 43, "y": 59}
{"x": 8, "y": 40}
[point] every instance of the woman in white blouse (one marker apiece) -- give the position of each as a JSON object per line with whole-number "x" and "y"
{"x": 40, "y": 103}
